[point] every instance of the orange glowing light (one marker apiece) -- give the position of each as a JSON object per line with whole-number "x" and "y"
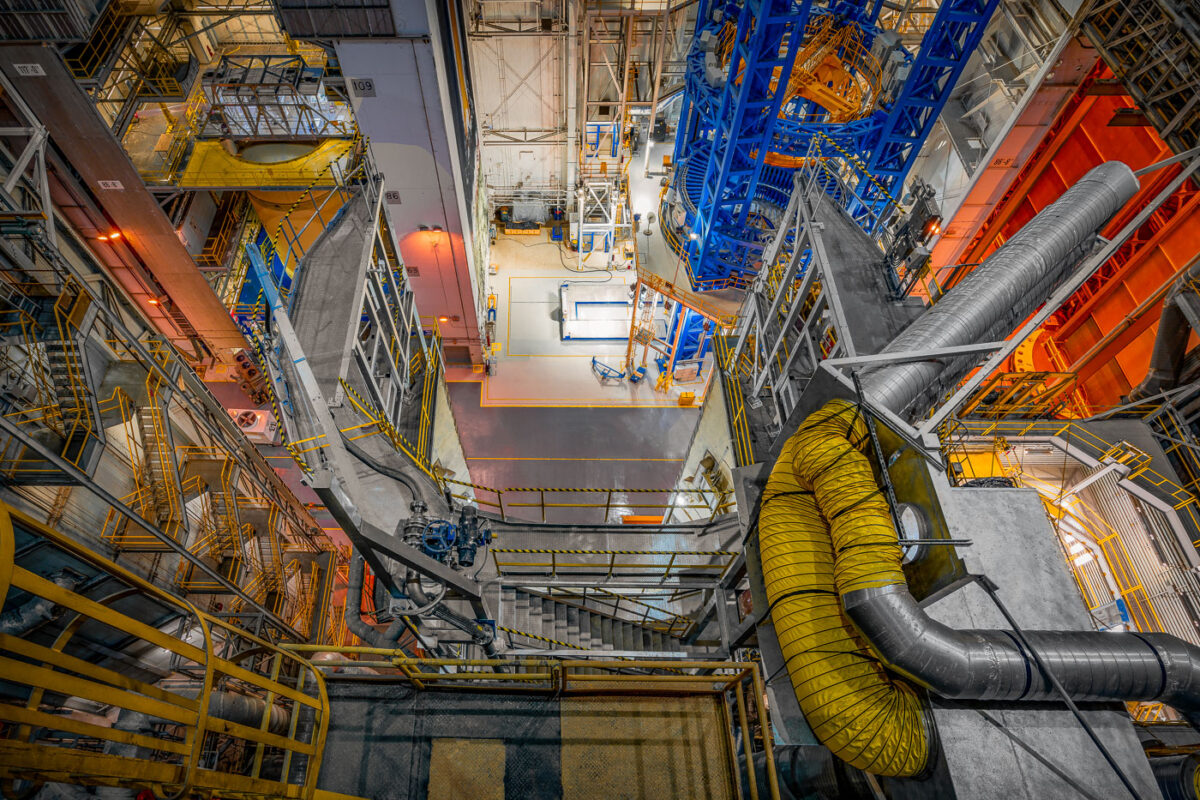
{"x": 153, "y": 301}
{"x": 102, "y": 238}
{"x": 115, "y": 235}
{"x": 443, "y": 319}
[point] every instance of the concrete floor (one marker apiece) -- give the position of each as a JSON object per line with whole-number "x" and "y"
{"x": 544, "y": 418}
{"x": 535, "y": 367}
{"x": 557, "y": 447}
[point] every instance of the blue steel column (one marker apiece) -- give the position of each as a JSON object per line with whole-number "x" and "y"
{"x": 956, "y": 31}
{"x": 745, "y": 126}
{"x": 724, "y": 136}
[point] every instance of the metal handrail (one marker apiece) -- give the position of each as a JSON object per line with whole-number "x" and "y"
{"x": 736, "y": 685}
{"x": 182, "y": 734}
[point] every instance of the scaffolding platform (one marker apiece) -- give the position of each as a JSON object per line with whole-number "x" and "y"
{"x": 211, "y": 166}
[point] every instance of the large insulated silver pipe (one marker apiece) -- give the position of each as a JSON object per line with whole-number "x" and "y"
{"x": 1170, "y": 343}
{"x": 993, "y": 665}
{"x": 990, "y": 302}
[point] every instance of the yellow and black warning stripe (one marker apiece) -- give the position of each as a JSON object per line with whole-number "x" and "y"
{"x": 515, "y": 632}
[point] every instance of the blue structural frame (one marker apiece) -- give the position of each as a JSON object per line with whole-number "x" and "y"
{"x": 956, "y": 31}
{"x": 729, "y": 193}
{"x": 694, "y": 340}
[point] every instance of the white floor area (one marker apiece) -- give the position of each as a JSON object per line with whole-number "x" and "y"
{"x": 535, "y": 367}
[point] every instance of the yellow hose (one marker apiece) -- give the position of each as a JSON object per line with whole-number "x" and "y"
{"x": 866, "y": 717}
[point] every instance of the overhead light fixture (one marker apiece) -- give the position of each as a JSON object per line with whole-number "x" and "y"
{"x": 443, "y": 319}
{"x": 110, "y": 236}
{"x": 693, "y": 236}
{"x": 153, "y": 301}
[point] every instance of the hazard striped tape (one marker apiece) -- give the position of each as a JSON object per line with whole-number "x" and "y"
{"x": 616, "y": 552}
{"x": 858, "y": 163}
{"x": 515, "y": 632}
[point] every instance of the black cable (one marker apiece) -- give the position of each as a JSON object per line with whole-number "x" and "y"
{"x": 383, "y": 469}
{"x": 986, "y": 584}
{"x": 565, "y": 265}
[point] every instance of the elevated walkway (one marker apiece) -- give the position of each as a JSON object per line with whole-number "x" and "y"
{"x": 328, "y": 294}
{"x": 855, "y": 263}
{"x": 211, "y": 166}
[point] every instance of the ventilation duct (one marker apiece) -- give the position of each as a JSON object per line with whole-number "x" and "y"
{"x": 1007, "y": 287}
{"x": 842, "y": 610}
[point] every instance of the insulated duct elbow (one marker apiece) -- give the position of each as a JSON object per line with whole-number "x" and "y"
{"x": 368, "y": 634}
{"x": 1170, "y": 343}
{"x": 1177, "y": 776}
{"x": 842, "y": 612}
{"x": 24, "y": 618}
{"x": 992, "y": 665}
{"x": 1007, "y": 287}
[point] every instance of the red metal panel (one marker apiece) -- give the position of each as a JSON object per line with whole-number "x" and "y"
{"x": 1107, "y": 329}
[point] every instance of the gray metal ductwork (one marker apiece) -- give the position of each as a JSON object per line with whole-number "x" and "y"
{"x": 992, "y": 664}
{"x": 1176, "y": 775}
{"x": 24, "y": 618}
{"x": 1170, "y": 343}
{"x": 1007, "y": 287}
{"x": 369, "y": 635}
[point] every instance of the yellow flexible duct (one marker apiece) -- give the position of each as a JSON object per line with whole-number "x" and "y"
{"x": 866, "y": 717}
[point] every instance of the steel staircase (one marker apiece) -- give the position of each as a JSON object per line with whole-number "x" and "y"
{"x": 534, "y": 620}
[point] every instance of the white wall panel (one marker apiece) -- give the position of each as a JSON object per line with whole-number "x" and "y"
{"x": 519, "y": 96}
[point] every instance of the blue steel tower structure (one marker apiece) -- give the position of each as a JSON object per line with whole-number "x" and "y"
{"x": 769, "y": 79}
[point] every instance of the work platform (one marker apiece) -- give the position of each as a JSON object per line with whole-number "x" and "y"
{"x": 595, "y": 311}
{"x": 328, "y": 293}
{"x": 212, "y": 166}
{"x": 389, "y": 740}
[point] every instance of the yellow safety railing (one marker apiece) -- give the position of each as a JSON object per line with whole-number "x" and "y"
{"x": 173, "y": 733}
{"x": 1021, "y": 394}
{"x": 576, "y": 561}
{"x": 510, "y": 499}
{"x": 736, "y": 400}
{"x": 232, "y": 217}
{"x": 736, "y": 686}
{"x": 20, "y": 328}
{"x": 1183, "y": 501}
{"x": 77, "y": 424}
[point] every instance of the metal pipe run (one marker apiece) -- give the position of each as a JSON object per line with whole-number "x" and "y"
{"x": 993, "y": 665}
{"x": 1171, "y": 341}
{"x": 1007, "y": 287}
{"x": 354, "y": 621}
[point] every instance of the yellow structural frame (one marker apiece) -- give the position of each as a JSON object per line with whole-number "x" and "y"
{"x": 43, "y": 670}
